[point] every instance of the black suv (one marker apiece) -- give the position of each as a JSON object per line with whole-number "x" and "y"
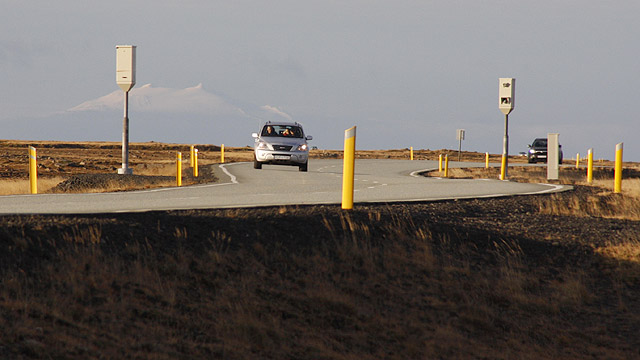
{"x": 538, "y": 151}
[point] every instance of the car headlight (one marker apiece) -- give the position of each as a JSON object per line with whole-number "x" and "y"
{"x": 531, "y": 151}
{"x": 303, "y": 147}
{"x": 262, "y": 146}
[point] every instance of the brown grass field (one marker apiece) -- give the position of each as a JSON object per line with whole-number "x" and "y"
{"x": 525, "y": 277}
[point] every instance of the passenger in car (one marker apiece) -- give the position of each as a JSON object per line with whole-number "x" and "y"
{"x": 268, "y": 131}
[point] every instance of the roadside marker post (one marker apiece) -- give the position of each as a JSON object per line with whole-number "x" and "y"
{"x": 411, "y": 152}
{"x": 222, "y": 154}
{"x": 459, "y": 137}
{"x": 191, "y": 156}
{"x": 446, "y": 166}
{"x": 553, "y": 156}
{"x": 578, "y": 161}
{"x": 590, "y": 166}
{"x": 33, "y": 171}
{"x": 179, "y": 169}
{"x": 195, "y": 162}
{"x": 440, "y": 163}
{"x": 617, "y": 187}
{"x": 348, "y": 168}
{"x": 486, "y": 160}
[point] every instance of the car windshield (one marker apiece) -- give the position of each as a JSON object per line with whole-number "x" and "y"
{"x": 282, "y": 130}
{"x": 540, "y": 143}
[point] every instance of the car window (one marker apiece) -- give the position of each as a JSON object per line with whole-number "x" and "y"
{"x": 540, "y": 142}
{"x": 282, "y": 131}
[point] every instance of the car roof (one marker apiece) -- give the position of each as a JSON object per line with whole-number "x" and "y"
{"x": 285, "y": 123}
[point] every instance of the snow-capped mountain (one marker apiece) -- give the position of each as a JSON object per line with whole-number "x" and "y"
{"x": 163, "y": 114}
{"x": 193, "y": 100}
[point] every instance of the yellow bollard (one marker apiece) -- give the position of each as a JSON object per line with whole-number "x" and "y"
{"x": 222, "y": 154}
{"x": 195, "y": 162}
{"x": 590, "y": 166}
{"x": 503, "y": 168}
{"x": 578, "y": 161}
{"x": 191, "y": 151}
{"x": 179, "y": 169}
{"x": 617, "y": 187}
{"x": 33, "y": 171}
{"x": 446, "y": 166}
{"x": 411, "y": 152}
{"x": 348, "y": 168}
{"x": 440, "y": 163}
{"x": 486, "y": 160}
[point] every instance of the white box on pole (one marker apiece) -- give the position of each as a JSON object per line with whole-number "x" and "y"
{"x": 507, "y": 95}
{"x": 126, "y": 66}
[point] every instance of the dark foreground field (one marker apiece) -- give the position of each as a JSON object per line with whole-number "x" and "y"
{"x": 486, "y": 279}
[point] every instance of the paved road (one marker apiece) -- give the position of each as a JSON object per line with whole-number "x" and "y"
{"x": 243, "y": 186}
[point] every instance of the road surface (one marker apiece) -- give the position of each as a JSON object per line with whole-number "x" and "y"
{"x": 376, "y": 181}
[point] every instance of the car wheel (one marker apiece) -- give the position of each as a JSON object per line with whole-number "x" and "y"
{"x": 257, "y": 164}
{"x": 531, "y": 161}
{"x": 303, "y": 167}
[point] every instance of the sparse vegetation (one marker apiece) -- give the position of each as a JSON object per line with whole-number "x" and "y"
{"x": 537, "y": 277}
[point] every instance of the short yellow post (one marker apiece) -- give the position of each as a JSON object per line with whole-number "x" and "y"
{"x": 348, "y": 168}
{"x": 222, "y": 154}
{"x": 578, "y": 161}
{"x": 33, "y": 171}
{"x": 440, "y": 163}
{"x": 590, "y": 166}
{"x": 446, "y": 166}
{"x": 503, "y": 168}
{"x": 195, "y": 162}
{"x": 191, "y": 151}
{"x": 617, "y": 188}
{"x": 179, "y": 169}
{"x": 411, "y": 152}
{"x": 486, "y": 160}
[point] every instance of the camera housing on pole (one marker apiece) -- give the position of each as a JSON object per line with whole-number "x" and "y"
{"x": 126, "y": 79}
{"x": 506, "y": 103}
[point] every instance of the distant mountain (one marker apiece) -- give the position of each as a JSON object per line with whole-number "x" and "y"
{"x": 194, "y": 100}
{"x": 160, "y": 114}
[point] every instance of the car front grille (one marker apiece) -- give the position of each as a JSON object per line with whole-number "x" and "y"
{"x": 282, "y": 147}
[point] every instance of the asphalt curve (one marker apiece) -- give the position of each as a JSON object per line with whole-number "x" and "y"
{"x": 242, "y": 186}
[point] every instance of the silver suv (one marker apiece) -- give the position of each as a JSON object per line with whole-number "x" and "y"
{"x": 281, "y": 143}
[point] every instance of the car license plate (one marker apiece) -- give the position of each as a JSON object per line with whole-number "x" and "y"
{"x": 281, "y": 157}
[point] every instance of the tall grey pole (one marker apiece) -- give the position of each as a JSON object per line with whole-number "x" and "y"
{"x": 125, "y": 138}
{"x": 505, "y": 145}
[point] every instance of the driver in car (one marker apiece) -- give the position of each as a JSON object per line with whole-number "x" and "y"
{"x": 268, "y": 131}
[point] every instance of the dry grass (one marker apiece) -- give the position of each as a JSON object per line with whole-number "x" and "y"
{"x": 367, "y": 284}
{"x": 624, "y": 254}
{"x": 20, "y": 186}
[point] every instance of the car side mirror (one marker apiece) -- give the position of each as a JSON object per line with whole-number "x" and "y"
{"x": 254, "y": 135}
{"x": 309, "y": 137}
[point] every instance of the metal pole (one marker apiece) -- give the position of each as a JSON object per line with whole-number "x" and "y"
{"x": 505, "y": 145}
{"x": 125, "y": 138}
{"x": 459, "y": 147}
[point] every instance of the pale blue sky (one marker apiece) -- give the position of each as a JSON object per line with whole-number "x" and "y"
{"x": 407, "y": 73}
